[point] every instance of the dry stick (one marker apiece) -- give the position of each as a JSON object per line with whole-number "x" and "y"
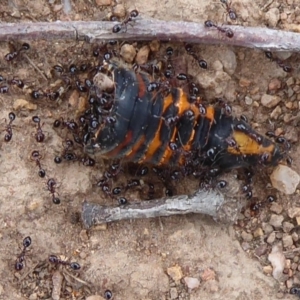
{"x": 209, "y": 202}
{"x": 150, "y": 29}
{"x": 35, "y": 67}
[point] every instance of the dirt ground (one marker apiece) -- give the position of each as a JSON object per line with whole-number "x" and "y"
{"x": 147, "y": 258}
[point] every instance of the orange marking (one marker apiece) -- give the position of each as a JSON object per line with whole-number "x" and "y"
{"x": 130, "y": 155}
{"x": 210, "y": 113}
{"x": 156, "y": 142}
{"x": 248, "y": 146}
{"x": 168, "y": 152}
{"x": 141, "y": 85}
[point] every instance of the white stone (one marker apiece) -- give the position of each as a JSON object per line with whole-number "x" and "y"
{"x": 285, "y": 180}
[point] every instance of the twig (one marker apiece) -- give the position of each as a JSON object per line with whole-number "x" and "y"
{"x": 210, "y": 202}
{"x": 65, "y": 272}
{"x": 35, "y": 67}
{"x": 150, "y": 29}
{"x": 57, "y": 280}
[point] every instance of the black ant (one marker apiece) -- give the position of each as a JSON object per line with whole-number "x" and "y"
{"x": 295, "y": 291}
{"x": 19, "y": 262}
{"x": 108, "y": 295}
{"x": 132, "y": 15}
{"x": 18, "y": 82}
{"x": 36, "y": 156}
{"x": 189, "y": 49}
{"x": 228, "y": 32}
{"x": 105, "y": 188}
{"x": 132, "y": 183}
{"x": 39, "y": 94}
{"x": 5, "y": 88}
{"x": 55, "y": 260}
{"x": 122, "y": 201}
{"x": 226, "y": 108}
{"x": 70, "y": 124}
{"x": 13, "y": 54}
{"x": 80, "y": 87}
{"x": 8, "y": 127}
{"x": 87, "y": 161}
{"x": 255, "y": 207}
{"x": 39, "y": 136}
{"x": 231, "y": 12}
{"x": 285, "y": 67}
{"x": 51, "y": 183}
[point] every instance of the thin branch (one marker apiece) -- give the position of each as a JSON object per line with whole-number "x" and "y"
{"x": 209, "y": 202}
{"x": 150, "y": 29}
{"x": 35, "y": 67}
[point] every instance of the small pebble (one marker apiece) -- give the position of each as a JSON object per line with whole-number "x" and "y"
{"x": 74, "y": 98}
{"x": 56, "y": 8}
{"x": 277, "y": 259}
{"x": 272, "y": 16}
{"x": 290, "y": 81}
{"x": 128, "y": 53}
{"x": 228, "y": 60}
{"x": 274, "y": 84}
{"x": 247, "y": 237}
{"x": 289, "y": 105}
{"x": 246, "y": 246}
{"x": 217, "y": 65}
{"x": 258, "y": 232}
{"x": 154, "y": 45}
{"x": 290, "y": 92}
{"x": 95, "y": 297}
{"x": 173, "y": 293}
{"x": 191, "y": 283}
{"x": 119, "y": 10}
{"x": 285, "y": 179}
{"x": 175, "y": 273}
{"x": 142, "y": 55}
{"x": 244, "y": 82}
{"x": 276, "y": 208}
{"x": 270, "y": 100}
{"x": 103, "y": 82}
{"x": 268, "y": 270}
{"x": 248, "y": 100}
{"x": 295, "y": 236}
{"x": 276, "y": 113}
{"x": 100, "y": 227}
{"x": 287, "y": 226}
{"x": 21, "y": 104}
{"x": 271, "y": 238}
{"x": 287, "y": 119}
{"x": 283, "y": 16}
{"x": 267, "y": 228}
{"x": 103, "y": 2}
{"x": 208, "y": 274}
{"x": 287, "y": 241}
{"x": 276, "y": 220}
{"x": 261, "y": 250}
{"x": 289, "y": 283}
{"x": 33, "y": 296}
